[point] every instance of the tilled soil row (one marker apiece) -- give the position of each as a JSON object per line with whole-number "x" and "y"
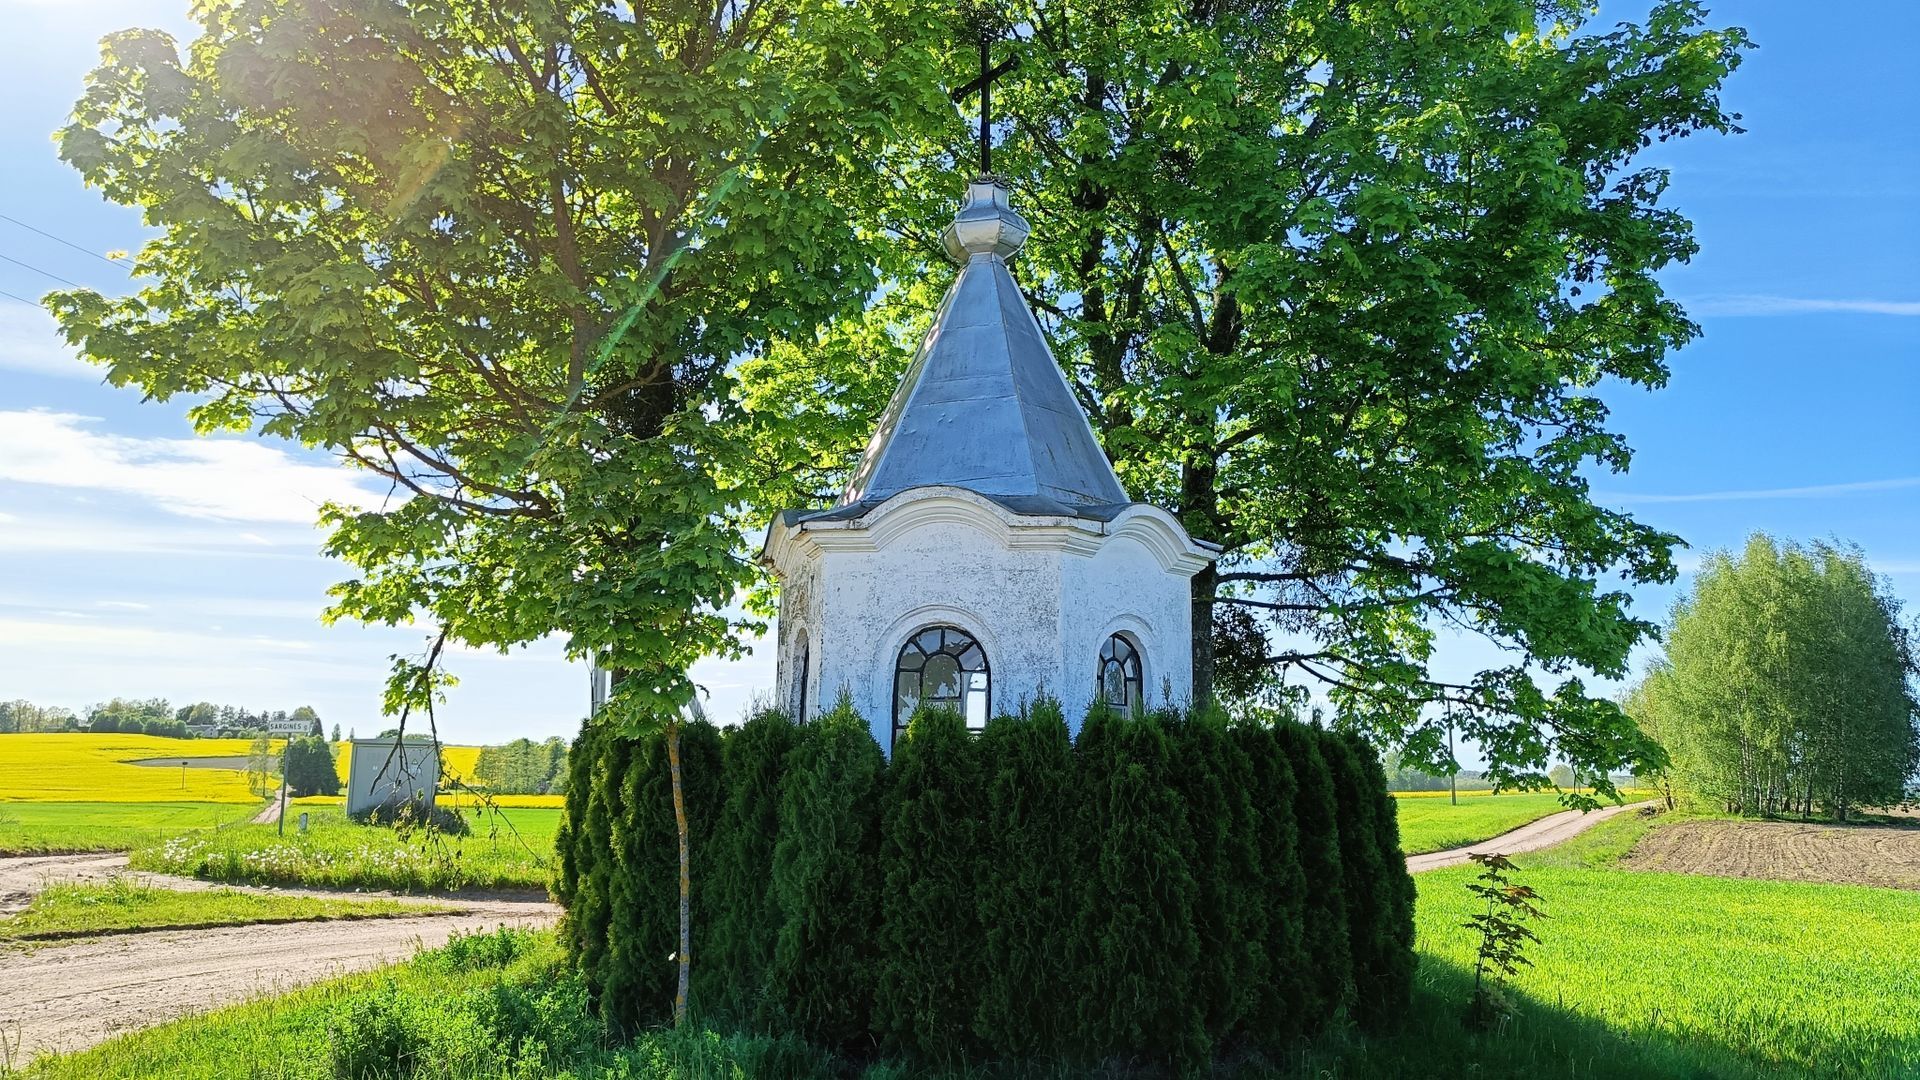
{"x": 1880, "y": 855}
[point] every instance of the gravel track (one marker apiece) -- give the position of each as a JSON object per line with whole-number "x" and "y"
{"x": 68, "y": 997}
{"x": 1534, "y": 835}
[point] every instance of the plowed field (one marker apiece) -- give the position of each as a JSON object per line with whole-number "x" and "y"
{"x": 1882, "y": 855}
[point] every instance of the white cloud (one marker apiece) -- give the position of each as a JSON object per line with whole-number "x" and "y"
{"x": 1817, "y": 491}
{"x": 94, "y": 535}
{"x": 122, "y": 605}
{"x": 30, "y": 343}
{"x": 225, "y": 479}
{"x": 1753, "y": 304}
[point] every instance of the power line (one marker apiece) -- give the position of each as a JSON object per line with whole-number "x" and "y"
{"x": 45, "y": 273}
{"x": 63, "y": 240}
{"x": 22, "y": 299}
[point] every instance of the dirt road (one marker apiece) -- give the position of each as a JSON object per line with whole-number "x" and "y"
{"x": 1532, "y": 836}
{"x": 71, "y": 996}
{"x": 22, "y": 877}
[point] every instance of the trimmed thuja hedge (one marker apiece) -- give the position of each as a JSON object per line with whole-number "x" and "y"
{"x": 1163, "y": 888}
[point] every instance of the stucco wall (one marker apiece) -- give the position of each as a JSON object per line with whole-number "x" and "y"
{"x": 1123, "y": 589}
{"x": 800, "y": 623}
{"x": 1040, "y": 595}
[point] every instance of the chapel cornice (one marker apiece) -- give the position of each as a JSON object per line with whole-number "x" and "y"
{"x": 918, "y": 508}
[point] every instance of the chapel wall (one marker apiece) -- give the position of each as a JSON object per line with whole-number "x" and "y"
{"x": 1123, "y": 588}
{"x": 943, "y": 572}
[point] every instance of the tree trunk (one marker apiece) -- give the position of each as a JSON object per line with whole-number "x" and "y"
{"x": 686, "y": 876}
{"x": 1204, "y": 586}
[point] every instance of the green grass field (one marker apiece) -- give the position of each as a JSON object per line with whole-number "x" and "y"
{"x": 1818, "y": 978}
{"x": 1638, "y": 975}
{"x": 337, "y": 853}
{"x": 1435, "y": 824}
{"x": 122, "y": 905}
{"x": 42, "y": 828}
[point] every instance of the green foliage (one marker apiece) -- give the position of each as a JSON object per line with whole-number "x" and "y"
{"x": 1029, "y": 901}
{"x": 1504, "y": 936}
{"x": 730, "y": 979}
{"x": 411, "y": 817}
{"x": 643, "y": 896}
{"x": 502, "y": 1027}
{"x": 576, "y": 856}
{"x": 1138, "y": 896}
{"x": 523, "y": 767}
{"x": 307, "y": 764}
{"x": 153, "y": 716}
{"x": 590, "y": 915}
{"x": 1379, "y": 889}
{"x": 1279, "y": 960}
{"x": 1327, "y": 983}
{"x": 1014, "y": 897}
{"x": 1788, "y": 684}
{"x": 21, "y": 716}
{"x": 306, "y": 715}
{"x": 643, "y": 930}
{"x": 502, "y": 258}
{"x": 1718, "y": 1008}
{"x": 1214, "y": 779}
{"x": 1342, "y": 295}
{"x": 826, "y": 876}
{"x": 933, "y": 860}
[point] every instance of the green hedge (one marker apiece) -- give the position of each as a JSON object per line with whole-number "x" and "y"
{"x": 731, "y": 978}
{"x": 1164, "y": 888}
{"x": 826, "y": 879}
{"x": 932, "y": 938}
{"x": 1032, "y": 911}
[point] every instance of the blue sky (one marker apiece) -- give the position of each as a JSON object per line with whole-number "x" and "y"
{"x": 136, "y": 559}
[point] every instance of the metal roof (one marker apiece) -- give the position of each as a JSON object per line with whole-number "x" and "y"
{"x": 984, "y": 406}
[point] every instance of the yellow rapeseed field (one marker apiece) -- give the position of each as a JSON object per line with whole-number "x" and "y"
{"x": 456, "y": 762}
{"x": 81, "y": 767}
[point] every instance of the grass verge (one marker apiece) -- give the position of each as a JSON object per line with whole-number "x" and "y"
{"x": 513, "y": 850}
{"x": 48, "y": 828}
{"x": 126, "y": 906}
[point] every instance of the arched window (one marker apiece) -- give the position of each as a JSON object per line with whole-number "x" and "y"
{"x": 1119, "y": 681}
{"x": 941, "y": 665}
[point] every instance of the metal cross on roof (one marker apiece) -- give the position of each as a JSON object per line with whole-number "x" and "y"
{"x": 984, "y": 87}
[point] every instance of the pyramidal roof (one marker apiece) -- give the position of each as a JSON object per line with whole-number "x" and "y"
{"x": 984, "y": 406}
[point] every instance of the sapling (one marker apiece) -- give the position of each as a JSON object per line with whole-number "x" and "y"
{"x": 1504, "y": 935}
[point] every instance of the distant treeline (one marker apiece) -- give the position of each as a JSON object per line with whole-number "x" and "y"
{"x": 149, "y": 716}
{"x": 524, "y": 767}
{"x": 1404, "y": 777}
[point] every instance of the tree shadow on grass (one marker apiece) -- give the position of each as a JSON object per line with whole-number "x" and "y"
{"x": 1543, "y": 1042}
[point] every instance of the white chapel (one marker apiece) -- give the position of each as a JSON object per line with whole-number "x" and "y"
{"x": 984, "y": 552}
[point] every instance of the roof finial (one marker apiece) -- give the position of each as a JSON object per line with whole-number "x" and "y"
{"x": 986, "y": 226}
{"x": 986, "y": 26}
